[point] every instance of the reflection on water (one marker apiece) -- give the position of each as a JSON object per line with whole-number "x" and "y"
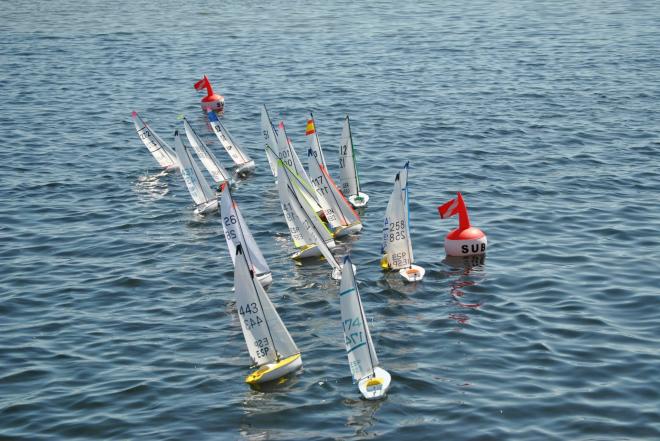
{"x": 362, "y": 416}
{"x": 151, "y": 187}
{"x": 462, "y": 273}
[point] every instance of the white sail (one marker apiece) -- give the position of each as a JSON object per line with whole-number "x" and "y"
{"x": 313, "y": 140}
{"x": 288, "y": 155}
{"x": 300, "y": 225}
{"x": 350, "y": 184}
{"x": 266, "y": 336}
{"x": 159, "y": 149}
{"x": 199, "y": 189}
{"x": 362, "y": 357}
{"x": 205, "y": 155}
{"x": 270, "y": 140}
{"x": 228, "y": 142}
{"x": 397, "y": 247}
{"x": 237, "y": 232}
{"x": 298, "y": 193}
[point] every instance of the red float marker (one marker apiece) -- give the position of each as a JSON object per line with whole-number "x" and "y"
{"x": 465, "y": 240}
{"x": 212, "y": 100}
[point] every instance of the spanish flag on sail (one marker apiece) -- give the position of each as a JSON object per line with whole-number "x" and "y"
{"x": 310, "y": 127}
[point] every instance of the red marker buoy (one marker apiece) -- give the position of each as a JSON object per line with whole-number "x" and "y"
{"x": 465, "y": 240}
{"x": 211, "y": 101}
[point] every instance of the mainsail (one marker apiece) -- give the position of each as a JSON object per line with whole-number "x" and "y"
{"x": 160, "y": 150}
{"x": 268, "y": 131}
{"x": 228, "y": 142}
{"x": 362, "y": 357}
{"x": 266, "y": 336}
{"x": 205, "y": 155}
{"x": 397, "y": 247}
{"x": 199, "y": 189}
{"x": 350, "y": 183}
{"x": 237, "y": 232}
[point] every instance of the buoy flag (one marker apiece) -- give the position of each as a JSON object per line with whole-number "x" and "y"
{"x": 310, "y": 127}
{"x": 448, "y": 209}
{"x": 202, "y": 84}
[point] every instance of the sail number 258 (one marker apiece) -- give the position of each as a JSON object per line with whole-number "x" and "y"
{"x": 397, "y": 231}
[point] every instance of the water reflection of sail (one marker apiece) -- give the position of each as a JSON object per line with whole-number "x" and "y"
{"x": 361, "y": 417}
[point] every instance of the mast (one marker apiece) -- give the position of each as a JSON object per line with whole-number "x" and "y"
{"x": 357, "y": 177}
{"x": 404, "y": 194}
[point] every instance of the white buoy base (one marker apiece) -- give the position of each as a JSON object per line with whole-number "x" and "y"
{"x": 375, "y": 388}
{"x": 413, "y": 274}
{"x": 469, "y": 247}
{"x": 359, "y": 200}
{"x": 273, "y": 371}
{"x": 207, "y": 207}
{"x": 336, "y": 272}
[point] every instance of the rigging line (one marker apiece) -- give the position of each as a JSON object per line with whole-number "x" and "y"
{"x": 225, "y": 132}
{"x": 404, "y": 194}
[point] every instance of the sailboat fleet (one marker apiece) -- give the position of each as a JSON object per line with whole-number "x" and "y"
{"x": 317, "y": 212}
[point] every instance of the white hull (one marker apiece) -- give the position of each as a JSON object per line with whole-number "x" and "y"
{"x": 413, "y": 274}
{"x": 265, "y": 279}
{"x": 273, "y": 371}
{"x": 245, "y": 168}
{"x": 312, "y": 251}
{"x": 207, "y": 207}
{"x": 359, "y": 200}
{"x": 375, "y": 388}
{"x": 346, "y": 230}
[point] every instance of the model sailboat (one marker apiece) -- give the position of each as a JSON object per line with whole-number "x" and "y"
{"x": 373, "y": 381}
{"x": 340, "y": 215}
{"x": 237, "y": 232}
{"x": 397, "y": 244}
{"x": 269, "y": 343}
{"x": 204, "y": 197}
{"x": 205, "y": 155}
{"x": 244, "y": 164}
{"x": 350, "y": 183}
{"x": 159, "y": 149}
{"x": 270, "y": 140}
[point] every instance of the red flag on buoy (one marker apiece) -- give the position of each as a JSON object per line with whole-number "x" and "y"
{"x": 212, "y": 100}
{"x": 453, "y": 207}
{"x": 204, "y": 84}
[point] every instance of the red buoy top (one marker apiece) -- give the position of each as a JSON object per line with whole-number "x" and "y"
{"x": 210, "y": 97}
{"x": 464, "y": 231}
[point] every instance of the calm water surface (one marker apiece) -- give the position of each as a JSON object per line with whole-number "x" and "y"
{"x": 117, "y": 318}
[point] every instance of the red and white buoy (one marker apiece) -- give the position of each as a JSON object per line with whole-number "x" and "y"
{"x": 212, "y": 101}
{"x": 465, "y": 240}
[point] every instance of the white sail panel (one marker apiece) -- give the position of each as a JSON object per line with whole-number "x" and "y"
{"x": 397, "y": 248}
{"x": 217, "y": 171}
{"x": 323, "y": 191}
{"x": 310, "y": 226}
{"x": 350, "y": 184}
{"x": 362, "y": 357}
{"x": 159, "y": 149}
{"x": 299, "y": 193}
{"x": 299, "y": 234}
{"x": 266, "y": 336}
{"x": 313, "y": 140}
{"x": 228, "y": 142}
{"x": 199, "y": 189}
{"x": 237, "y": 232}
{"x": 270, "y": 140}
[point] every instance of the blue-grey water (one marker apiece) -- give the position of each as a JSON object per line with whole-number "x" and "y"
{"x": 117, "y": 318}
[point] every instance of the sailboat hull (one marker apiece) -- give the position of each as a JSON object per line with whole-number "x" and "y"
{"x": 349, "y": 229}
{"x": 265, "y": 279}
{"x": 413, "y": 274}
{"x": 312, "y": 251}
{"x": 359, "y": 200}
{"x": 273, "y": 371}
{"x": 245, "y": 168}
{"x": 375, "y": 388}
{"x": 207, "y": 207}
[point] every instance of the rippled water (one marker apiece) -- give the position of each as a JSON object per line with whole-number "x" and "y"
{"x": 116, "y": 303}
